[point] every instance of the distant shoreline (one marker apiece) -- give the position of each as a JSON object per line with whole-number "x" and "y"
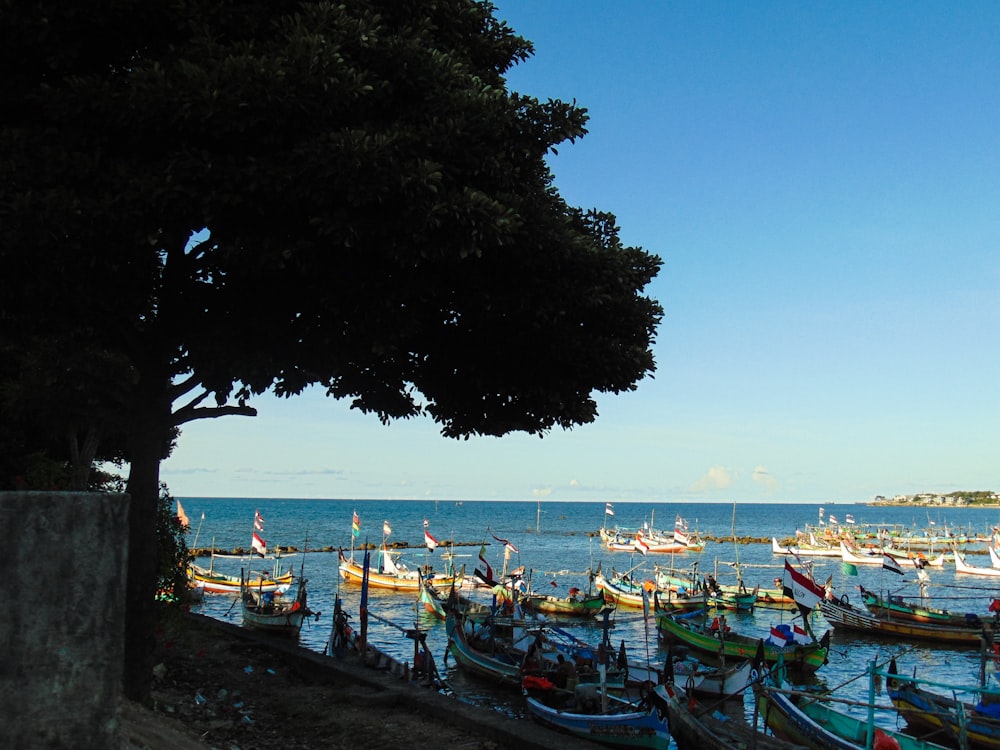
{"x": 933, "y": 505}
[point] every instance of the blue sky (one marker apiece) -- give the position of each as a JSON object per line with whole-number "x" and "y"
{"x": 822, "y": 181}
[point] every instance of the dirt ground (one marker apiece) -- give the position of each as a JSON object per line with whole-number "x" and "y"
{"x": 217, "y": 691}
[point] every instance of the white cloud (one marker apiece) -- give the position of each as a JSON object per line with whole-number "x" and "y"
{"x": 716, "y": 478}
{"x": 763, "y": 477}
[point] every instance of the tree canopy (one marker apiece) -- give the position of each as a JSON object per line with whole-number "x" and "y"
{"x": 234, "y": 197}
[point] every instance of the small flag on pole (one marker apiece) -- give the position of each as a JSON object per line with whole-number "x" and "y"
{"x": 430, "y": 541}
{"x": 356, "y": 525}
{"x": 777, "y": 637}
{"x": 609, "y": 509}
{"x": 258, "y": 521}
{"x": 849, "y": 518}
{"x": 807, "y": 593}
{"x": 848, "y": 569}
{"x": 258, "y": 545}
{"x": 505, "y": 543}
{"x": 386, "y": 528}
{"x": 889, "y": 563}
{"x": 832, "y": 519}
{"x": 640, "y": 544}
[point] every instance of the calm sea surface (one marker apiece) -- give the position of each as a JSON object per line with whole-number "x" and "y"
{"x": 555, "y": 544}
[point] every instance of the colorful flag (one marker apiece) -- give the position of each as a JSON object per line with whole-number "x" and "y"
{"x": 849, "y": 518}
{"x": 640, "y": 544}
{"x": 777, "y": 637}
{"x": 680, "y": 537}
{"x": 807, "y": 593}
{"x": 505, "y": 543}
{"x": 258, "y": 521}
{"x": 889, "y": 563}
{"x": 848, "y": 569}
{"x": 831, "y": 518}
{"x": 182, "y": 516}
{"x": 488, "y": 575}
{"x": 430, "y": 541}
{"x": 799, "y": 631}
{"x": 356, "y": 525}
{"x": 609, "y": 509}
{"x": 386, "y": 528}
{"x": 258, "y": 545}
{"x": 426, "y": 525}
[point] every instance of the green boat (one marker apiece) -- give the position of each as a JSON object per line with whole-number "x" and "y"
{"x": 713, "y": 638}
{"x": 564, "y": 606}
{"x": 809, "y": 720}
{"x": 895, "y": 608}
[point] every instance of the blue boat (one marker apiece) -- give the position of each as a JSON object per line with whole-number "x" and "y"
{"x": 621, "y": 724}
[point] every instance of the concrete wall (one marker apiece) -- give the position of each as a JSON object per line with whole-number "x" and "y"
{"x": 62, "y": 615}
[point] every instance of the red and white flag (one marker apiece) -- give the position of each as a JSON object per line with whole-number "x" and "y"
{"x": 430, "y": 541}
{"x": 799, "y": 631}
{"x": 258, "y": 545}
{"x": 386, "y": 528}
{"x": 807, "y": 593}
{"x": 505, "y": 543}
{"x": 258, "y": 521}
{"x": 777, "y": 637}
{"x": 640, "y": 544}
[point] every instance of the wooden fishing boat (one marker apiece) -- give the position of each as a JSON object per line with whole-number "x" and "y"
{"x": 503, "y": 649}
{"x": 391, "y": 573}
{"x": 895, "y": 608}
{"x": 574, "y": 605}
{"x": 961, "y": 566}
{"x": 432, "y": 600}
{"x": 845, "y": 616}
{"x": 605, "y": 719}
{"x": 963, "y": 724}
{"x": 735, "y": 598}
{"x": 214, "y": 582}
{"x": 695, "y": 727}
{"x": 714, "y": 639}
{"x": 263, "y": 611}
{"x": 624, "y": 591}
{"x": 872, "y": 555}
{"x": 813, "y": 548}
{"x": 811, "y": 721}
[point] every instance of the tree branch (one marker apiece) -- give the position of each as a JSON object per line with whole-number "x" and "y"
{"x": 189, "y": 413}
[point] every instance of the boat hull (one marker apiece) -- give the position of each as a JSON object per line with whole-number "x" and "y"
{"x": 644, "y": 728}
{"x": 804, "y": 658}
{"x": 844, "y": 616}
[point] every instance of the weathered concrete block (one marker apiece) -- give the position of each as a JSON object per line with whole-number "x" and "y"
{"x": 62, "y": 590}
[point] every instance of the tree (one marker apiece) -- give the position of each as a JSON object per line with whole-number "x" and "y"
{"x": 231, "y": 197}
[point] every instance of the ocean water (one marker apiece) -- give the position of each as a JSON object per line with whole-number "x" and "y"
{"x": 557, "y": 545}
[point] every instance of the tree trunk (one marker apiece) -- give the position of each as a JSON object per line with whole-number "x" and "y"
{"x": 143, "y": 487}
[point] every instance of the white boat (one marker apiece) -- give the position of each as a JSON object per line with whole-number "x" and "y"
{"x": 963, "y": 567}
{"x": 804, "y": 549}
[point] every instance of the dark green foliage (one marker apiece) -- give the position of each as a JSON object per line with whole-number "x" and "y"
{"x": 223, "y": 198}
{"x": 171, "y": 551}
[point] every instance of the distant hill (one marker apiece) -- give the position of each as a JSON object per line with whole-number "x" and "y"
{"x": 961, "y": 499}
